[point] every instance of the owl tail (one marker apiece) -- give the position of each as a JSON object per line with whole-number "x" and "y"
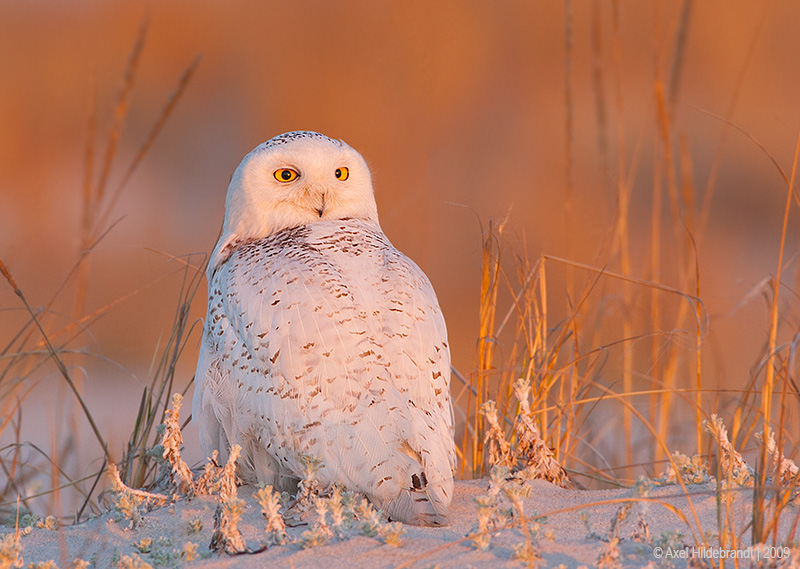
{"x": 426, "y": 488}
{"x": 422, "y": 503}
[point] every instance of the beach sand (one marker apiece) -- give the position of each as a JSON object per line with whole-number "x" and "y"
{"x": 103, "y": 541}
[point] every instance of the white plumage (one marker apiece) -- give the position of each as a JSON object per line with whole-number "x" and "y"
{"x": 322, "y": 339}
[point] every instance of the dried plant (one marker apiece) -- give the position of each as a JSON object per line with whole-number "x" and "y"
{"x": 10, "y": 551}
{"x": 529, "y": 551}
{"x": 43, "y": 565}
{"x": 531, "y": 458}
{"x": 270, "y": 503}
{"x": 692, "y": 470}
{"x": 133, "y": 562}
{"x": 608, "y": 555}
{"x": 500, "y": 452}
{"x": 130, "y": 502}
{"x": 731, "y": 462}
{"x": 194, "y": 526}
{"x": 392, "y": 533}
{"x": 308, "y": 488}
{"x": 641, "y": 529}
{"x": 340, "y": 516}
{"x": 540, "y": 462}
{"x": 208, "y": 482}
{"x": 228, "y": 478}
{"x": 784, "y": 470}
{"x": 189, "y": 551}
{"x": 486, "y": 508}
{"x": 180, "y": 476}
{"x": 369, "y": 517}
{"x": 218, "y": 480}
{"x": 616, "y": 522}
{"x": 320, "y": 533}
{"x": 227, "y": 538}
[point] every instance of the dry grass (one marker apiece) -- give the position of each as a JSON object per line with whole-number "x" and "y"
{"x": 39, "y": 342}
{"x": 601, "y": 383}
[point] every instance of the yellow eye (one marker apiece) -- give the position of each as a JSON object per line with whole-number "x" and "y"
{"x": 285, "y": 175}
{"x": 342, "y": 173}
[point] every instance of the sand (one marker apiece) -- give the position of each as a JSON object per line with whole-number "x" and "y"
{"x": 104, "y": 540}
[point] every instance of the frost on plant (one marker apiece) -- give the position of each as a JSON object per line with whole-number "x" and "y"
{"x": 271, "y": 510}
{"x": 540, "y": 462}
{"x": 227, "y": 538}
{"x": 731, "y": 462}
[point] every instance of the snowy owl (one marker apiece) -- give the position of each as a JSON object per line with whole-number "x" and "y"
{"x": 322, "y": 339}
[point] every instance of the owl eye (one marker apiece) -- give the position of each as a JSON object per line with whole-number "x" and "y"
{"x": 285, "y": 175}
{"x": 342, "y": 173}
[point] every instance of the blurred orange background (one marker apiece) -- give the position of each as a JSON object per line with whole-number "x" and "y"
{"x": 461, "y": 110}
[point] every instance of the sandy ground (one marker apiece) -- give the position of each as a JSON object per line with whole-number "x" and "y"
{"x": 104, "y": 541}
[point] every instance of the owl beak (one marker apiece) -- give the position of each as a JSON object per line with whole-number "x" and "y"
{"x": 321, "y": 209}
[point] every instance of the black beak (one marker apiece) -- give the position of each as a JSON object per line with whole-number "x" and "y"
{"x": 321, "y": 209}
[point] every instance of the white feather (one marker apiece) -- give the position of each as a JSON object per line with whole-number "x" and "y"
{"x": 323, "y": 339}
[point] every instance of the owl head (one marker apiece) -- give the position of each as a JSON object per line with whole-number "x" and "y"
{"x": 294, "y": 179}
